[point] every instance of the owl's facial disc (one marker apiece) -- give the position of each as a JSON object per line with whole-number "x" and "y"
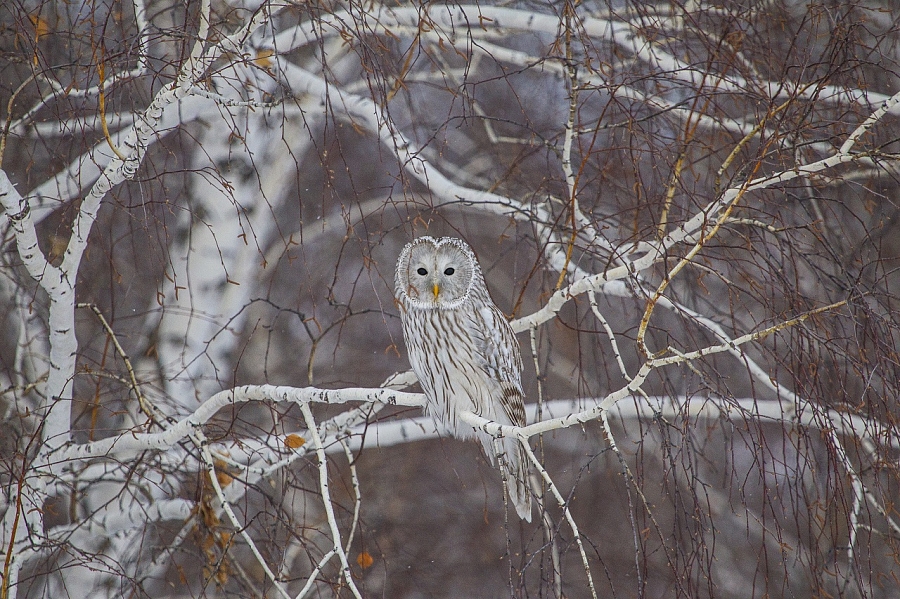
{"x": 438, "y": 277}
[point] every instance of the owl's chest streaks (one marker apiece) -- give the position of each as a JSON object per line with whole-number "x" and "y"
{"x": 448, "y": 365}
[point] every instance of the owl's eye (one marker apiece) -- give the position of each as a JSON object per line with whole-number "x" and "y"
{"x": 422, "y": 271}
{"x": 449, "y": 271}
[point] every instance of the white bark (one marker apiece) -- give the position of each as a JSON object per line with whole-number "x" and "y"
{"x": 217, "y": 270}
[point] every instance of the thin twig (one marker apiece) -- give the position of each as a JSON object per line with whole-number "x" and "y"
{"x": 571, "y": 127}
{"x": 563, "y": 504}
{"x": 311, "y": 580}
{"x": 592, "y": 298}
{"x": 148, "y": 408}
{"x": 9, "y": 107}
{"x": 326, "y": 495}
{"x": 207, "y": 457}
{"x": 101, "y": 102}
{"x": 705, "y": 237}
{"x": 540, "y": 492}
{"x": 357, "y": 496}
{"x": 680, "y": 357}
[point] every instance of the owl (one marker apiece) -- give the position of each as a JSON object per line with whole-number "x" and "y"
{"x": 463, "y": 350}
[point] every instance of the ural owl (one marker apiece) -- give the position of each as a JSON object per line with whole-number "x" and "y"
{"x": 463, "y": 350}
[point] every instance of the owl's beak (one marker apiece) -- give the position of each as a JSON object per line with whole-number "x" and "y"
{"x": 436, "y": 290}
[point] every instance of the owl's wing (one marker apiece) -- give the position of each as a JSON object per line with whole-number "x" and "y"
{"x": 499, "y": 356}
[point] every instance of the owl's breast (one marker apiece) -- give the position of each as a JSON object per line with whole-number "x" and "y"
{"x": 444, "y": 356}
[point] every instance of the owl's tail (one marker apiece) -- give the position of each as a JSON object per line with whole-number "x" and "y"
{"x": 514, "y": 465}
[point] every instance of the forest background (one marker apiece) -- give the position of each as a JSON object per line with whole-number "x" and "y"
{"x": 687, "y": 209}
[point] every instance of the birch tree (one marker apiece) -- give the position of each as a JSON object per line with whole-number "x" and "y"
{"x": 687, "y": 210}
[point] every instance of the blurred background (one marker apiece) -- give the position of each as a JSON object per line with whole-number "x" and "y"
{"x": 256, "y": 244}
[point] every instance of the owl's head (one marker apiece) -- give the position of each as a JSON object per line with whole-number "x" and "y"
{"x": 436, "y": 273}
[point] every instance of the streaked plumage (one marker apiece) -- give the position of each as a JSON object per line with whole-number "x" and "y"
{"x": 463, "y": 350}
